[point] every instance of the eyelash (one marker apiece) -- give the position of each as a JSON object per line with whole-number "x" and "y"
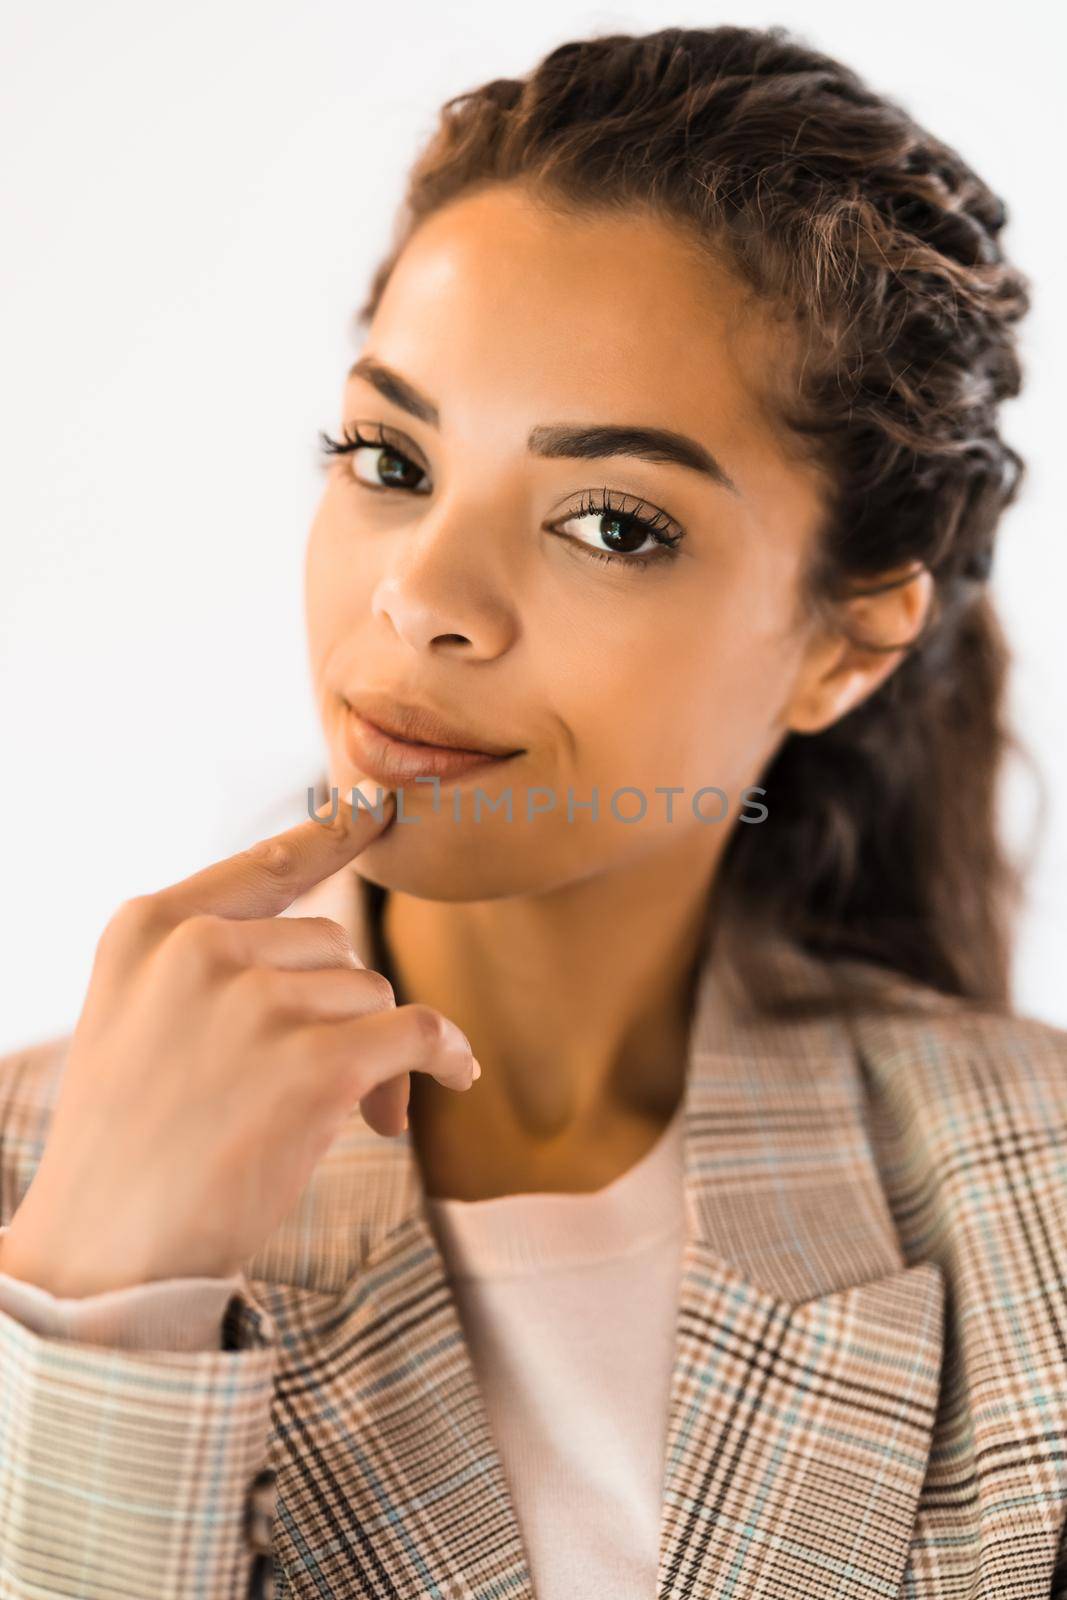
{"x": 353, "y": 439}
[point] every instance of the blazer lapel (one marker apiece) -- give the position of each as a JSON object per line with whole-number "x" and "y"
{"x": 808, "y": 1354}
{"x": 806, "y": 1367}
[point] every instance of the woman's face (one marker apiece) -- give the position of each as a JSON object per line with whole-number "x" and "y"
{"x": 507, "y": 585}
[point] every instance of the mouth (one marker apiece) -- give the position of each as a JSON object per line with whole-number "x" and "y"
{"x": 393, "y": 760}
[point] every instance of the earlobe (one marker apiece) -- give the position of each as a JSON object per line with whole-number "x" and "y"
{"x": 830, "y": 700}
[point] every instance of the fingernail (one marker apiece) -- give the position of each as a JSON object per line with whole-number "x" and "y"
{"x": 403, "y": 1125}
{"x": 477, "y": 1070}
{"x": 373, "y": 792}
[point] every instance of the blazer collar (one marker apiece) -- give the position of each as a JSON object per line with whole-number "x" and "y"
{"x": 806, "y": 1367}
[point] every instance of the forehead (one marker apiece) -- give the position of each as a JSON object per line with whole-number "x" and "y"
{"x": 599, "y": 312}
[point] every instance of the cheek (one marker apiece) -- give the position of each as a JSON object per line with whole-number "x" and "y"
{"x": 735, "y": 703}
{"x": 696, "y": 702}
{"x": 624, "y": 680}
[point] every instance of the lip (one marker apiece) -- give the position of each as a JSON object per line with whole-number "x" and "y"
{"x": 392, "y": 761}
{"x": 416, "y": 724}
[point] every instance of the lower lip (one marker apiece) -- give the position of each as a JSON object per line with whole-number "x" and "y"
{"x": 397, "y": 761}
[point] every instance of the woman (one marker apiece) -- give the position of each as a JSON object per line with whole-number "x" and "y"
{"x": 667, "y": 483}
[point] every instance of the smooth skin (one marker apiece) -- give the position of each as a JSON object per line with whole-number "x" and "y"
{"x": 559, "y": 951}
{"x": 563, "y": 949}
{"x": 219, "y": 1050}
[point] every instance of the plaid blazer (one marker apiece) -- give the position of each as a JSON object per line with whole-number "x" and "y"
{"x": 869, "y": 1391}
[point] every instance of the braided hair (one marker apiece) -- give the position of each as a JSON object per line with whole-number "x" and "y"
{"x": 883, "y": 247}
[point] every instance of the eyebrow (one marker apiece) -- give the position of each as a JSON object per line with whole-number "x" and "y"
{"x": 573, "y": 441}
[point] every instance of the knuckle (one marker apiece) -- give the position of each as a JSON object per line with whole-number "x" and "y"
{"x": 429, "y": 1026}
{"x": 337, "y": 826}
{"x": 136, "y": 921}
{"x": 198, "y": 942}
{"x": 337, "y": 940}
{"x": 275, "y": 857}
{"x": 380, "y": 995}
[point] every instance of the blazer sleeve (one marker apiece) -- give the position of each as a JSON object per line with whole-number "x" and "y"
{"x": 130, "y": 1471}
{"x": 1059, "y": 1573}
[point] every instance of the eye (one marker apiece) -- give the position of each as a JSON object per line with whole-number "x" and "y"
{"x": 392, "y": 470}
{"x": 631, "y": 536}
{"x": 636, "y": 537}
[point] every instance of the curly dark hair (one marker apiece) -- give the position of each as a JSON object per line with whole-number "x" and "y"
{"x": 883, "y": 247}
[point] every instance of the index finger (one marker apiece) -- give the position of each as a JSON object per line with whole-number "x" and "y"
{"x": 267, "y": 877}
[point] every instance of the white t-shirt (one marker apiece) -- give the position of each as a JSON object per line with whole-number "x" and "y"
{"x": 568, "y": 1303}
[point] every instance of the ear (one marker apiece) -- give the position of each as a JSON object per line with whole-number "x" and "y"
{"x": 836, "y": 673}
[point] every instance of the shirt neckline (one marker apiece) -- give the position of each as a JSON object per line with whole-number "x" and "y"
{"x": 515, "y": 1234}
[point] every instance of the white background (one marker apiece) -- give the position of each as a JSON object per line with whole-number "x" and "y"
{"x": 194, "y": 197}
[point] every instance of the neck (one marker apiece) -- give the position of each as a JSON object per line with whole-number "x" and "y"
{"x": 577, "y": 1003}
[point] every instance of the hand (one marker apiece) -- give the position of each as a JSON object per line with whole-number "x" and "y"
{"x": 219, "y": 1049}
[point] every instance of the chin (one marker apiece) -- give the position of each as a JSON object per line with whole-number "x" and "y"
{"x": 436, "y": 859}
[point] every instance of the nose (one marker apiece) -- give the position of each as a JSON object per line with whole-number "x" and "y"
{"x": 439, "y": 592}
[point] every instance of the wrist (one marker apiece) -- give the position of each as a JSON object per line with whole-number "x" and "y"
{"x": 20, "y": 1259}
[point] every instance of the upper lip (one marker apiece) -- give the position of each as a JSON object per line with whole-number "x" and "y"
{"x": 405, "y": 720}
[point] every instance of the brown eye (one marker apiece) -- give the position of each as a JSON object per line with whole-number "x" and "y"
{"x": 392, "y": 470}
{"x": 614, "y": 534}
{"x": 622, "y": 534}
